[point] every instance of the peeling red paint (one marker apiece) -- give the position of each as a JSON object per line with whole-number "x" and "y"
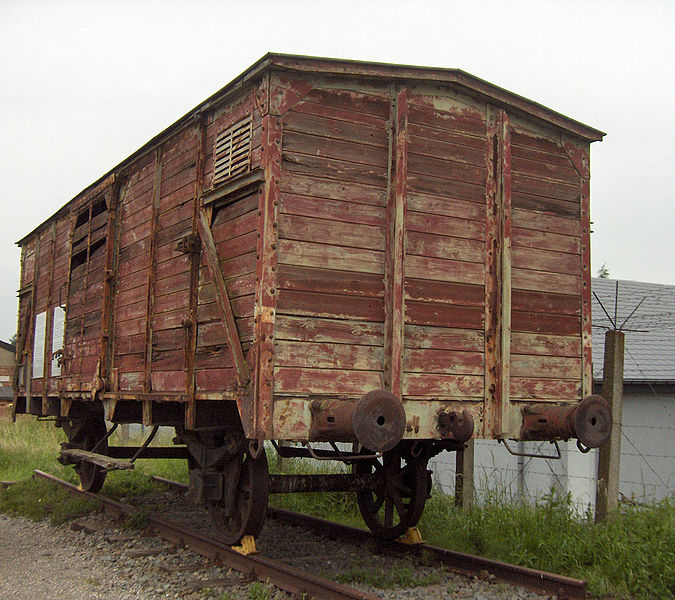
{"x": 374, "y": 244}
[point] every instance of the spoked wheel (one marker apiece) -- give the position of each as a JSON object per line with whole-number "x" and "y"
{"x": 247, "y": 515}
{"x": 85, "y": 435}
{"x": 396, "y": 500}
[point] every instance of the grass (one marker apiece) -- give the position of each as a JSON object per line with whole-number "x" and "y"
{"x": 261, "y": 591}
{"x": 332, "y": 506}
{"x": 628, "y": 556}
{"x": 38, "y": 499}
{"x": 29, "y": 444}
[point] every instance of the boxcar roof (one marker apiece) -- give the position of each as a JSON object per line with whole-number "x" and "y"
{"x": 357, "y": 69}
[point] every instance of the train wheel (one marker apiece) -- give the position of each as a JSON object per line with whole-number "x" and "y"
{"x": 249, "y": 509}
{"x": 397, "y": 499}
{"x": 85, "y": 434}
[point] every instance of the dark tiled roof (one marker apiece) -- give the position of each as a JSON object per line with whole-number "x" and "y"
{"x": 8, "y": 347}
{"x": 650, "y": 352}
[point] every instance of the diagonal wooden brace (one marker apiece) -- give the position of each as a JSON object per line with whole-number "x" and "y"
{"x": 213, "y": 262}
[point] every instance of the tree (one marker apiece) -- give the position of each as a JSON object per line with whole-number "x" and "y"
{"x": 603, "y": 271}
{"x": 12, "y": 340}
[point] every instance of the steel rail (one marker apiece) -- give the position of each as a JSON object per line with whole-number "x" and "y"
{"x": 282, "y": 576}
{"x": 564, "y": 588}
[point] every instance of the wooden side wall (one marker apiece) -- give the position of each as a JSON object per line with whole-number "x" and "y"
{"x": 546, "y": 353}
{"x": 153, "y": 313}
{"x": 159, "y": 299}
{"x": 445, "y": 249}
{"x": 332, "y": 220}
{"x": 133, "y": 283}
{"x": 463, "y": 184}
{"x": 234, "y": 227}
{"x": 333, "y": 223}
{"x": 365, "y": 169}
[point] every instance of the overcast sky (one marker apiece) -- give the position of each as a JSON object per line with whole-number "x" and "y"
{"x": 85, "y": 84}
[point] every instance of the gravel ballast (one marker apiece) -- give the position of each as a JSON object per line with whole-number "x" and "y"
{"x": 102, "y": 561}
{"x": 45, "y": 562}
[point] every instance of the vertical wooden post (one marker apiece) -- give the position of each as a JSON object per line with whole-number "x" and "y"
{"x": 497, "y": 273}
{"x": 117, "y": 195}
{"x": 395, "y": 246}
{"x": 504, "y": 186}
{"x": 607, "y": 495}
{"x": 124, "y": 433}
{"x": 152, "y": 266}
{"x": 266, "y": 277}
{"x": 464, "y": 482}
{"x": 195, "y": 262}
{"x": 49, "y": 324}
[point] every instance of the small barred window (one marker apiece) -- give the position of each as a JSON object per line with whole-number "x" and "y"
{"x": 232, "y": 152}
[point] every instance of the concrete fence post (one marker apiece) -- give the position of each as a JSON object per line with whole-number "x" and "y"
{"x": 464, "y": 482}
{"x": 609, "y": 455}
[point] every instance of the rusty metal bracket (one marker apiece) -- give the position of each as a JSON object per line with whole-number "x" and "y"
{"x": 105, "y": 437}
{"x": 308, "y": 452}
{"x": 344, "y": 459}
{"x": 320, "y": 454}
{"x": 146, "y": 443}
{"x": 531, "y": 454}
{"x": 583, "y": 449}
{"x": 190, "y": 244}
{"x": 256, "y": 447}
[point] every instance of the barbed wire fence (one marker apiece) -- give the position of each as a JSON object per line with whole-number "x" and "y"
{"x": 495, "y": 475}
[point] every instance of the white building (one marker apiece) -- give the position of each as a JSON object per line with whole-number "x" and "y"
{"x": 648, "y": 436}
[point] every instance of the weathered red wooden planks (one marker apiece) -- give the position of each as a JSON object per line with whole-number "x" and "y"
{"x": 386, "y": 233}
{"x": 340, "y": 382}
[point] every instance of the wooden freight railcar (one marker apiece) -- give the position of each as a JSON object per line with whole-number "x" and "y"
{"x": 330, "y": 251}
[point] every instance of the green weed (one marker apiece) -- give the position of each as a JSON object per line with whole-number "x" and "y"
{"x": 138, "y": 521}
{"x": 29, "y": 444}
{"x": 261, "y": 591}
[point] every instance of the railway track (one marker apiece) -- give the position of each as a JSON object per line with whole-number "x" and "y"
{"x": 297, "y": 580}
{"x": 543, "y": 582}
{"x": 291, "y": 580}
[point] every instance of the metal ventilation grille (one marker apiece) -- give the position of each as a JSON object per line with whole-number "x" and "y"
{"x": 232, "y": 151}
